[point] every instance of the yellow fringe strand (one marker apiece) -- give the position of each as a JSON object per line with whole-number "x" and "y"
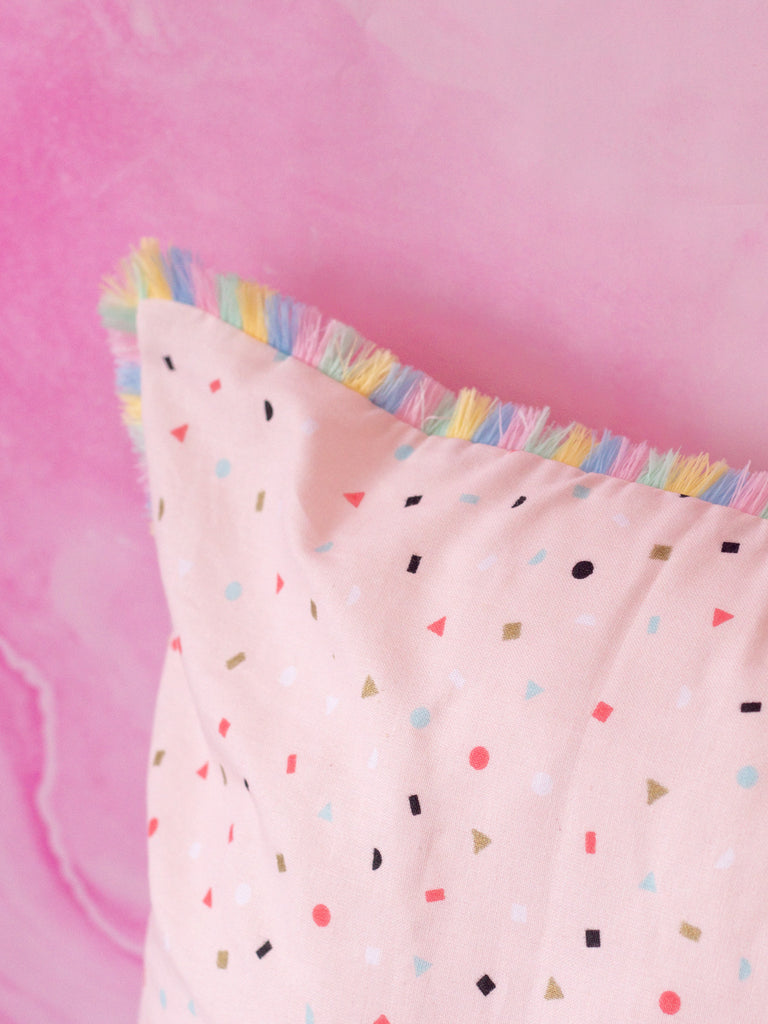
{"x": 252, "y": 298}
{"x": 694, "y": 475}
{"x": 469, "y": 413}
{"x": 577, "y": 446}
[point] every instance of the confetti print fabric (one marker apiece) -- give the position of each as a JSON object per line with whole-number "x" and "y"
{"x": 445, "y": 733}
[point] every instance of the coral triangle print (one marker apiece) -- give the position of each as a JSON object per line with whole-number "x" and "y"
{"x": 720, "y": 617}
{"x": 461, "y": 716}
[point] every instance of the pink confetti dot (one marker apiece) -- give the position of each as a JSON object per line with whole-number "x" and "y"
{"x": 602, "y": 711}
{"x": 479, "y": 758}
{"x": 434, "y": 895}
{"x": 669, "y": 1002}
{"x": 321, "y": 915}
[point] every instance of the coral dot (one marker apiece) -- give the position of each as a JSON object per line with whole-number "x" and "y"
{"x": 321, "y": 915}
{"x": 152, "y": 826}
{"x": 669, "y": 1002}
{"x": 479, "y": 758}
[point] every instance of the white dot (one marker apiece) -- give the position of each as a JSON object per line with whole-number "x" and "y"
{"x": 586, "y": 620}
{"x": 457, "y": 678}
{"x": 621, "y": 519}
{"x": 166, "y": 942}
{"x": 519, "y": 913}
{"x": 288, "y": 675}
{"x": 726, "y": 860}
{"x": 684, "y": 697}
{"x": 542, "y": 783}
{"x": 372, "y": 955}
{"x": 194, "y": 850}
{"x": 487, "y": 563}
{"x": 354, "y": 595}
{"x": 373, "y": 760}
{"x": 309, "y": 427}
{"x": 242, "y": 894}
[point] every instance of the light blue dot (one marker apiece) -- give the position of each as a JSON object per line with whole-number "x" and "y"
{"x": 419, "y": 718}
{"x": 223, "y": 467}
{"x": 233, "y": 591}
{"x": 163, "y": 1000}
{"x": 470, "y": 499}
{"x": 579, "y": 491}
{"x": 745, "y": 969}
{"x": 653, "y": 623}
{"x": 747, "y": 776}
{"x": 191, "y": 1007}
{"x": 324, "y": 547}
{"x": 538, "y": 557}
{"x": 403, "y": 452}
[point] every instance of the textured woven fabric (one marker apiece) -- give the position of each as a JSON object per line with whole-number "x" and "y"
{"x": 445, "y": 733}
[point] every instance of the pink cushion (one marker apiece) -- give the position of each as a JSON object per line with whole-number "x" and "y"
{"x": 446, "y": 731}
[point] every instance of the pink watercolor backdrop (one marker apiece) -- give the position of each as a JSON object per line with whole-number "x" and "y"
{"x": 560, "y": 203}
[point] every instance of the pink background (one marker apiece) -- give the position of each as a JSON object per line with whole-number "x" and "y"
{"x": 560, "y": 203}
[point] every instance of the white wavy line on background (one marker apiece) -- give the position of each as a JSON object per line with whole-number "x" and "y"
{"x": 44, "y": 800}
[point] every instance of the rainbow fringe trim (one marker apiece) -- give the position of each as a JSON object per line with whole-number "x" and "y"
{"x": 340, "y": 352}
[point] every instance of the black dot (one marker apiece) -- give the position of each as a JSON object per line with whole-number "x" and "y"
{"x": 413, "y": 500}
{"x": 413, "y": 565}
{"x": 485, "y": 985}
{"x": 169, "y": 362}
{"x": 262, "y": 951}
{"x": 246, "y": 784}
{"x": 581, "y": 570}
{"x": 415, "y": 805}
{"x": 376, "y": 860}
{"x": 519, "y": 501}
{"x": 752, "y": 705}
{"x": 593, "y": 937}
{"x": 268, "y": 410}
{"x": 730, "y": 547}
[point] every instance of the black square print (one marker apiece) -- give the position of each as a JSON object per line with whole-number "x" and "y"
{"x": 485, "y": 985}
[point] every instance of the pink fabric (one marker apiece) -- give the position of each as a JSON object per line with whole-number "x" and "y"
{"x": 547, "y": 729}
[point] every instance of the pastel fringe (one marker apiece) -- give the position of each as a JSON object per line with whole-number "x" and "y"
{"x": 340, "y": 352}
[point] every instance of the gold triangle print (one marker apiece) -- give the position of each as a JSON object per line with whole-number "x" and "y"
{"x": 481, "y": 840}
{"x": 553, "y": 990}
{"x": 655, "y": 791}
{"x": 370, "y": 689}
